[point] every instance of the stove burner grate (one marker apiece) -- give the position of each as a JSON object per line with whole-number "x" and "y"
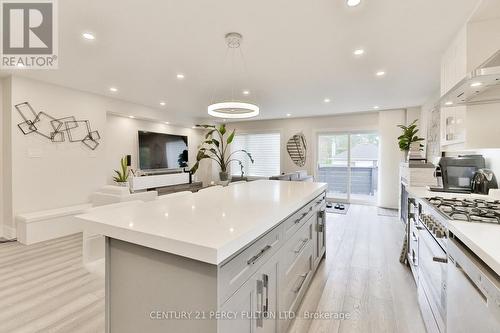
{"x": 471, "y": 210}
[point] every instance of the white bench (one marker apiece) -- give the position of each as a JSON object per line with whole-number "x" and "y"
{"x": 49, "y": 224}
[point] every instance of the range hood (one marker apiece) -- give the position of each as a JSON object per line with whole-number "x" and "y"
{"x": 482, "y": 86}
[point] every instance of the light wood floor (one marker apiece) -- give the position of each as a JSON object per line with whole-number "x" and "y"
{"x": 44, "y": 287}
{"x": 362, "y": 276}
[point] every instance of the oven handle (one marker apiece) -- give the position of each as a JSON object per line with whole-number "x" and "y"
{"x": 440, "y": 260}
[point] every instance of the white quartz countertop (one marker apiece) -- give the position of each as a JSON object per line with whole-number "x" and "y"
{"x": 208, "y": 226}
{"x": 481, "y": 238}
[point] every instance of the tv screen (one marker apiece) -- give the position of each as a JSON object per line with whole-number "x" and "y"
{"x": 162, "y": 151}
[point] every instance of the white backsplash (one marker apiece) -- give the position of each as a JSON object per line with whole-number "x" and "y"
{"x": 492, "y": 157}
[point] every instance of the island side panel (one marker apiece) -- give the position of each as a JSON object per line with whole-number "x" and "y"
{"x": 143, "y": 285}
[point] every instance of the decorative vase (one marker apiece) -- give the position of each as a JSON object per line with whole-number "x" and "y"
{"x": 414, "y": 153}
{"x": 122, "y": 184}
{"x": 223, "y": 176}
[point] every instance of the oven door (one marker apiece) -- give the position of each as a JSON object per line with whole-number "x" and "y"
{"x": 432, "y": 278}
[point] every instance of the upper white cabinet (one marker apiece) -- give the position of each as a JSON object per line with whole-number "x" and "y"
{"x": 453, "y": 69}
{"x": 454, "y": 62}
{"x": 472, "y": 126}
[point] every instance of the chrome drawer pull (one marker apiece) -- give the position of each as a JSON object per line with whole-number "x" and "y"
{"x": 304, "y": 242}
{"x": 301, "y": 217}
{"x": 303, "y": 278}
{"x": 256, "y": 257}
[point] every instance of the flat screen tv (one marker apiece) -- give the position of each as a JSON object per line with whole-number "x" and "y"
{"x": 162, "y": 151}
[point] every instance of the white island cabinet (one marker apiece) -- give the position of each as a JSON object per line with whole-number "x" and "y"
{"x": 234, "y": 260}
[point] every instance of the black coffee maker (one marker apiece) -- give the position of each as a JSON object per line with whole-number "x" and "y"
{"x": 483, "y": 181}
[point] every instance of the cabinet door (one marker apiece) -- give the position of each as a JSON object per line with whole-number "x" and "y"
{"x": 253, "y": 308}
{"x": 453, "y": 129}
{"x": 318, "y": 235}
{"x": 241, "y": 305}
{"x": 266, "y": 296}
{"x": 321, "y": 233}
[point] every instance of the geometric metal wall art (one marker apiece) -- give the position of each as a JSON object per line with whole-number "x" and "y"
{"x": 297, "y": 149}
{"x": 56, "y": 129}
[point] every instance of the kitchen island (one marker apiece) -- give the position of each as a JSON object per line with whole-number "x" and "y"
{"x": 238, "y": 258}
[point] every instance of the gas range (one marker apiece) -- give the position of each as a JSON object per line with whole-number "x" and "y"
{"x": 469, "y": 210}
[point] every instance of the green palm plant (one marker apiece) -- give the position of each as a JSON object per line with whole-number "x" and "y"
{"x": 123, "y": 173}
{"x": 215, "y": 147}
{"x": 409, "y": 136}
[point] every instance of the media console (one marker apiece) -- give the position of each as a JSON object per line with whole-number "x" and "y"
{"x": 158, "y": 180}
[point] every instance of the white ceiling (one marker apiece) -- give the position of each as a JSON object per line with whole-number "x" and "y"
{"x": 297, "y": 52}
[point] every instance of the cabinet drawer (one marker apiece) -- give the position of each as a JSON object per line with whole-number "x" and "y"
{"x": 295, "y": 245}
{"x": 294, "y": 222}
{"x": 235, "y": 272}
{"x": 296, "y": 279}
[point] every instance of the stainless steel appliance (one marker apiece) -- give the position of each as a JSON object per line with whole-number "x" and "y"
{"x": 483, "y": 181}
{"x": 473, "y": 293}
{"x": 430, "y": 258}
{"x": 431, "y": 233}
{"x": 457, "y": 173}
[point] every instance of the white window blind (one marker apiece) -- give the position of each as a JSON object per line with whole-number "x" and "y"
{"x": 265, "y": 150}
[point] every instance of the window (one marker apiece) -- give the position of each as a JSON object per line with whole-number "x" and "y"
{"x": 265, "y": 150}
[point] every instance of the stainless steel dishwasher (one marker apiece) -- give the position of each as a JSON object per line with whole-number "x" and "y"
{"x": 473, "y": 293}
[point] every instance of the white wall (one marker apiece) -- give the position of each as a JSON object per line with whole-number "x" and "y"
{"x": 8, "y": 231}
{"x": 492, "y": 157}
{"x": 310, "y": 127}
{"x": 47, "y": 175}
{"x": 1, "y": 154}
{"x": 389, "y": 157}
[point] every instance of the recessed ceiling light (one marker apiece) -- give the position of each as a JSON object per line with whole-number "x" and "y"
{"x": 246, "y": 92}
{"x": 376, "y": 107}
{"x": 180, "y": 76}
{"x": 288, "y": 114}
{"x": 380, "y": 73}
{"x": 113, "y": 89}
{"x": 353, "y": 3}
{"x": 88, "y": 35}
{"x": 167, "y": 122}
{"x": 476, "y": 84}
{"x": 163, "y": 103}
{"x": 449, "y": 103}
{"x": 327, "y": 100}
{"x": 131, "y": 117}
{"x": 359, "y": 52}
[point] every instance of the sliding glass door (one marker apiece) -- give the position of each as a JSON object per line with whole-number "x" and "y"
{"x": 348, "y": 162}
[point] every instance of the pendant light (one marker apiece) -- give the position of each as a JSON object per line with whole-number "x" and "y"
{"x": 233, "y": 109}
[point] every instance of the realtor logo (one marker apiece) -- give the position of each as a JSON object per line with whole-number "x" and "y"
{"x": 29, "y": 36}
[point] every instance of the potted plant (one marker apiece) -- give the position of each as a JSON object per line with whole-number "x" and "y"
{"x": 409, "y": 140}
{"x": 121, "y": 177}
{"x": 215, "y": 148}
